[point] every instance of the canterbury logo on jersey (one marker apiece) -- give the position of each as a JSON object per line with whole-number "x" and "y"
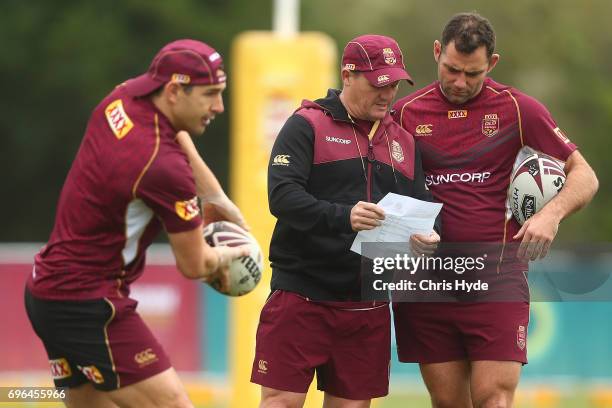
{"x": 262, "y": 366}
{"x": 456, "y": 178}
{"x": 188, "y": 209}
{"x": 118, "y": 120}
{"x": 423, "y": 130}
{"x": 145, "y": 357}
{"x": 337, "y": 140}
{"x": 281, "y": 160}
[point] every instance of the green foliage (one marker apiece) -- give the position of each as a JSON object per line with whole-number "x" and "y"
{"x": 60, "y": 57}
{"x": 558, "y": 52}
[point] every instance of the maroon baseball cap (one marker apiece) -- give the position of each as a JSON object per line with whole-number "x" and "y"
{"x": 378, "y": 57}
{"x": 188, "y": 62}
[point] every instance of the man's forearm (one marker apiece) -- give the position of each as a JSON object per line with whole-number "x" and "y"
{"x": 207, "y": 185}
{"x": 580, "y": 186}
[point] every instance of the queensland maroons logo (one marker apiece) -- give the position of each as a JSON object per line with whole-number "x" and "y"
{"x": 389, "y": 56}
{"x": 397, "y": 152}
{"x": 521, "y": 337}
{"x": 490, "y": 125}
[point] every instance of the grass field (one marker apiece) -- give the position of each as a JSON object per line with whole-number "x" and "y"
{"x": 417, "y": 401}
{"x": 208, "y": 395}
{"x": 537, "y": 400}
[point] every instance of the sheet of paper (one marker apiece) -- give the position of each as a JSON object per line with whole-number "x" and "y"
{"x": 404, "y": 216}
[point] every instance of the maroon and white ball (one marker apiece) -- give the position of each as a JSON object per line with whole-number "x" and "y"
{"x": 245, "y": 272}
{"x": 536, "y": 180}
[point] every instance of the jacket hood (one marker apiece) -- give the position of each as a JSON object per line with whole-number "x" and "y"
{"x": 333, "y": 106}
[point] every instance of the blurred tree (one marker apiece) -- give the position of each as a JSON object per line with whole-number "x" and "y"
{"x": 557, "y": 52}
{"x": 61, "y": 57}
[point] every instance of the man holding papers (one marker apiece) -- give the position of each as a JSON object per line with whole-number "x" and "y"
{"x": 332, "y": 160}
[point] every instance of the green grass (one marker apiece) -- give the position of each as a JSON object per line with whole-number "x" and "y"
{"x": 408, "y": 396}
{"x": 522, "y": 401}
{"x": 417, "y": 401}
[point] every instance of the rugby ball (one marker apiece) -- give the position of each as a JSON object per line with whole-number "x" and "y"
{"x": 535, "y": 181}
{"x": 245, "y": 272}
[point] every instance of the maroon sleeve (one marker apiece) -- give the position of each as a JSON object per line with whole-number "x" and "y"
{"x": 540, "y": 131}
{"x": 168, "y": 187}
{"x": 397, "y": 112}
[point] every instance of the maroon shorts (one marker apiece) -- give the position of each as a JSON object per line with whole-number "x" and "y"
{"x": 438, "y": 332}
{"x": 103, "y": 341}
{"x": 347, "y": 346}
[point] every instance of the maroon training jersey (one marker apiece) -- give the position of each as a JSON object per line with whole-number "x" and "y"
{"x": 468, "y": 153}
{"x": 129, "y": 179}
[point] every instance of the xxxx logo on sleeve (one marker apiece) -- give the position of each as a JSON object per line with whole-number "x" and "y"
{"x": 118, "y": 120}
{"x": 187, "y": 210}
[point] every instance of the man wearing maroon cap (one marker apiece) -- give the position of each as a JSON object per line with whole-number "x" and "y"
{"x": 470, "y": 129}
{"x": 129, "y": 180}
{"x": 333, "y": 159}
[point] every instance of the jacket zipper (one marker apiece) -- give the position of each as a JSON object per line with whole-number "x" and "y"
{"x": 370, "y": 161}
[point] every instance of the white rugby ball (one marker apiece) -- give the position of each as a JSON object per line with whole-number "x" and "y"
{"x": 535, "y": 181}
{"x": 245, "y": 272}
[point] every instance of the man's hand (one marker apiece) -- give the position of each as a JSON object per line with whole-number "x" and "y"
{"x": 422, "y": 244}
{"x": 537, "y": 234}
{"x": 366, "y": 216}
{"x": 539, "y": 231}
{"x": 225, "y": 257}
